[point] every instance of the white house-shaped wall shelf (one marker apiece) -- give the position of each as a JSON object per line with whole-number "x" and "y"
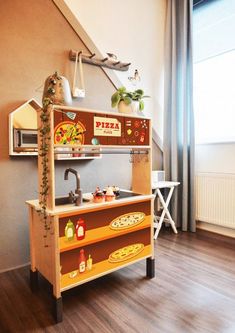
{"x": 23, "y": 129}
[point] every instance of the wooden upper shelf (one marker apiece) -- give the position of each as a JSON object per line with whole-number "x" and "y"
{"x": 79, "y": 127}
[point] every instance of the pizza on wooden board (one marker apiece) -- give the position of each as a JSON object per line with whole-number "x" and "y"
{"x": 126, "y": 221}
{"x": 126, "y": 253}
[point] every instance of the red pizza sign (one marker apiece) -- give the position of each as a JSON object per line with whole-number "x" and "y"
{"x": 107, "y": 127}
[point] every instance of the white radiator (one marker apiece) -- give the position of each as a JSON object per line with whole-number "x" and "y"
{"x": 215, "y": 199}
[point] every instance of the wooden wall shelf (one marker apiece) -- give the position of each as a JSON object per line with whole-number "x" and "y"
{"x": 105, "y": 62}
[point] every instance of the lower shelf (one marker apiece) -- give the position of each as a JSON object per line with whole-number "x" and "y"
{"x": 99, "y": 269}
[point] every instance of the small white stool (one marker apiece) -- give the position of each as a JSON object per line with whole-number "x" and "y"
{"x": 157, "y": 223}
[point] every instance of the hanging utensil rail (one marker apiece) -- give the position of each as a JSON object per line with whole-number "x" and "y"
{"x": 101, "y": 151}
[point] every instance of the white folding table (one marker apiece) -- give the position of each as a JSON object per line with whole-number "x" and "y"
{"x": 156, "y": 187}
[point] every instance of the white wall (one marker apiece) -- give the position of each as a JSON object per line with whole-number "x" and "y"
{"x": 134, "y": 31}
{"x": 219, "y": 158}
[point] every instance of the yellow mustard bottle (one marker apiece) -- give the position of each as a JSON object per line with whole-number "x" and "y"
{"x": 69, "y": 230}
{"x": 89, "y": 263}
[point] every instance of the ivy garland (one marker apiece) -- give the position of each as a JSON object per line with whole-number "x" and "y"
{"x": 44, "y": 135}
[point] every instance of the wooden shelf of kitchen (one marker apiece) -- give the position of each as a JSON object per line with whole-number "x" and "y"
{"x": 77, "y": 158}
{"x": 100, "y": 234}
{"x": 100, "y": 147}
{"x": 99, "y": 269}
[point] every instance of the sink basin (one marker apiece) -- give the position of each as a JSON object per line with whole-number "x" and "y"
{"x": 66, "y": 200}
{"x": 88, "y": 198}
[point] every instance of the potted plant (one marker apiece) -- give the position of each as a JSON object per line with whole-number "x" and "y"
{"x": 128, "y": 101}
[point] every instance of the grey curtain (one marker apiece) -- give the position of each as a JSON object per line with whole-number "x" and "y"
{"x": 178, "y": 138}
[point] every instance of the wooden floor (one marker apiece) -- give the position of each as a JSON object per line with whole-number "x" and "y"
{"x": 194, "y": 291}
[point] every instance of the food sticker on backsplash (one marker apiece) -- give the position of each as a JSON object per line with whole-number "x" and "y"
{"x": 127, "y": 221}
{"x": 107, "y": 127}
{"x": 89, "y": 263}
{"x": 126, "y": 253}
{"x": 68, "y": 132}
{"x": 73, "y": 274}
{"x": 81, "y": 261}
{"x": 69, "y": 230}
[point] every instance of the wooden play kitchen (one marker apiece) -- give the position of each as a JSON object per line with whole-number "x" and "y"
{"x": 82, "y": 236}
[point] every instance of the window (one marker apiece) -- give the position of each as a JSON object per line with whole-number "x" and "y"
{"x": 214, "y": 71}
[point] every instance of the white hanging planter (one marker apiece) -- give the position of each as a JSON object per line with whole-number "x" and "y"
{"x": 135, "y": 105}
{"x": 131, "y": 108}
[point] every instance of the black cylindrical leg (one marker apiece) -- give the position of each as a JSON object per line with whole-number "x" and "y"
{"x": 58, "y": 309}
{"x": 33, "y": 280}
{"x": 150, "y": 268}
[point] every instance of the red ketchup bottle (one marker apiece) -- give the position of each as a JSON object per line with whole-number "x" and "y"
{"x": 82, "y": 261}
{"x": 80, "y": 229}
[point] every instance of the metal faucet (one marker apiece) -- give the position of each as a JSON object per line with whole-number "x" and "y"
{"x": 77, "y": 197}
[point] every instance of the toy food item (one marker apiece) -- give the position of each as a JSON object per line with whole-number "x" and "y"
{"x": 98, "y": 195}
{"x": 115, "y": 189}
{"x": 109, "y": 196}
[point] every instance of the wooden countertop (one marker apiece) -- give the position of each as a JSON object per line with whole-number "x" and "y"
{"x": 90, "y": 206}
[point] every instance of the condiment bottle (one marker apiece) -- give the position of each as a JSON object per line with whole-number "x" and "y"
{"x": 89, "y": 263}
{"x": 82, "y": 262}
{"x": 80, "y": 229}
{"x": 69, "y": 230}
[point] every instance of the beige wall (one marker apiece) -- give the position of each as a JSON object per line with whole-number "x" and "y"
{"x": 35, "y": 41}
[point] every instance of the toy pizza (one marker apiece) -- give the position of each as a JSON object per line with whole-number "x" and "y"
{"x": 126, "y": 253}
{"x": 126, "y": 221}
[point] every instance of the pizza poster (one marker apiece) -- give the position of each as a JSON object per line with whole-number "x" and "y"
{"x": 90, "y": 128}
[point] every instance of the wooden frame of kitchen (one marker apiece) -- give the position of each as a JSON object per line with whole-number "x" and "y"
{"x": 111, "y": 247}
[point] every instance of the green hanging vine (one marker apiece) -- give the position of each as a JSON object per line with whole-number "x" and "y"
{"x": 44, "y": 135}
{"x": 44, "y": 143}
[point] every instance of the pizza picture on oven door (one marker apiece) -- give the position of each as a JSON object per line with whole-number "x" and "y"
{"x": 125, "y": 253}
{"x": 128, "y": 220}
